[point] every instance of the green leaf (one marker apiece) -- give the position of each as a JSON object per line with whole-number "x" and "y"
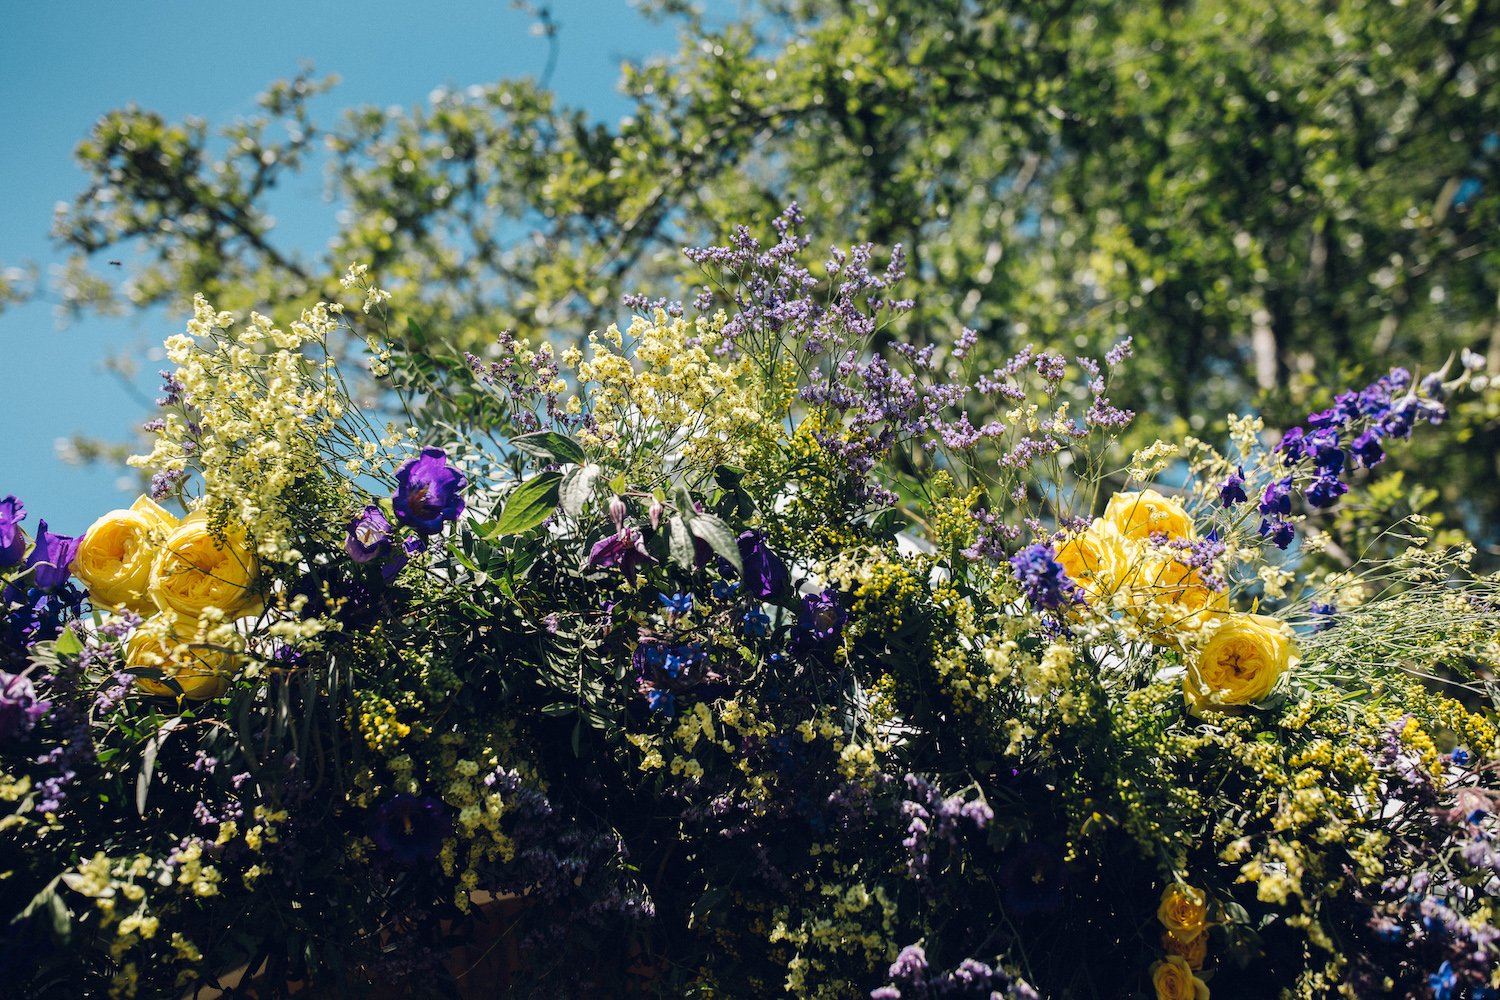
{"x": 680, "y": 542}
{"x": 148, "y": 761}
{"x": 528, "y": 504}
{"x": 550, "y": 444}
{"x": 578, "y": 487}
{"x": 68, "y": 644}
{"x": 719, "y": 536}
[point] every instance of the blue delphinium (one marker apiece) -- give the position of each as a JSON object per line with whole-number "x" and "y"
{"x": 1046, "y": 584}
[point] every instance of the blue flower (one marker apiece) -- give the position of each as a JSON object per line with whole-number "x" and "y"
{"x": 1367, "y": 449}
{"x": 723, "y": 590}
{"x": 12, "y": 540}
{"x": 662, "y": 701}
{"x": 1323, "y": 615}
{"x": 1460, "y": 756}
{"x": 1279, "y": 531}
{"x": 1443, "y": 981}
{"x": 677, "y": 604}
{"x": 1325, "y": 491}
{"x": 757, "y": 624}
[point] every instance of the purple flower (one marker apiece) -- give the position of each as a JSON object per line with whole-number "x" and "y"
{"x": 12, "y": 541}
{"x": 1291, "y": 444}
{"x": 428, "y": 492}
{"x": 765, "y": 573}
{"x": 1279, "y": 531}
{"x": 369, "y": 535}
{"x": 20, "y": 709}
{"x": 1325, "y": 491}
{"x": 1367, "y": 449}
{"x": 50, "y": 558}
{"x": 410, "y": 829}
{"x": 1045, "y": 582}
{"x": 624, "y": 550}
{"x": 1232, "y": 491}
{"x": 1324, "y": 615}
{"x": 1277, "y": 499}
{"x": 822, "y": 619}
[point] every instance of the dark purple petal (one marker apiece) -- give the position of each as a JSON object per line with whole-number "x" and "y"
{"x": 428, "y": 492}
{"x": 369, "y": 535}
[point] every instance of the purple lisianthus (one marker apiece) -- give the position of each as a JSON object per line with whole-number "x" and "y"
{"x": 625, "y": 550}
{"x": 20, "y": 709}
{"x": 822, "y": 619}
{"x": 369, "y": 535}
{"x": 410, "y": 829}
{"x": 50, "y": 558}
{"x": 12, "y": 541}
{"x": 429, "y": 492}
{"x": 765, "y": 573}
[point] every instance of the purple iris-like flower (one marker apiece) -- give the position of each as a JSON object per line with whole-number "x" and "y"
{"x": 765, "y": 573}
{"x": 20, "y": 709}
{"x": 429, "y": 492}
{"x": 1323, "y": 614}
{"x": 1291, "y": 444}
{"x": 1232, "y": 490}
{"x": 369, "y": 535}
{"x": 50, "y": 558}
{"x": 1367, "y": 449}
{"x": 410, "y": 829}
{"x": 12, "y": 541}
{"x": 822, "y": 619}
{"x": 1279, "y": 531}
{"x": 1043, "y": 578}
{"x": 625, "y": 550}
{"x": 1325, "y": 491}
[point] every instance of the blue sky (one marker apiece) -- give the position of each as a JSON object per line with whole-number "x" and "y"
{"x": 62, "y": 65}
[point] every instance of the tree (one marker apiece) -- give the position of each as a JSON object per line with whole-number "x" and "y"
{"x": 1272, "y": 198}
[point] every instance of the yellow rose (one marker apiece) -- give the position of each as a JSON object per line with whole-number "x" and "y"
{"x": 1183, "y": 602}
{"x": 1183, "y": 911}
{"x": 1174, "y": 980}
{"x": 115, "y": 556}
{"x": 1141, "y": 515}
{"x": 166, "y": 643}
{"x": 1093, "y": 559}
{"x": 1240, "y": 662}
{"x": 196, "y": 570}
{"x": 1193, "y": 952}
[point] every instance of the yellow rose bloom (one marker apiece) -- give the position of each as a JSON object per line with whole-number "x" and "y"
{"x": 1146, "y": 513}
{"x": 1174, "y": 980}
{"x": 1240, "y": 662}
{"x": 196, "y": 570}
{"x": 1093, "y": 559}
{"x": 1193, "y": 952}
{"x": 1182, "y": 601}
{"x": 1183, "y": 911}
{"x": 165, "y": 643}
{"x": 115, "y": 556}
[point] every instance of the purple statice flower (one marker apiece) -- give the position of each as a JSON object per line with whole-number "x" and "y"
{"x": 765, "y": 573}
{"x": 50, "y": 558}
{"x": 1121, "y": 351}
{"x": 429, "y": 492}
{"x": 369, "y": 535}
{"x": 822, "y": 618}
{"x": 20, "y": 709}
{"x": 625, "y": 550}
{"x": 1046, "y": 584}
{"x": 409, "y": 828}
{"x": 1232, "y": 490}
{"x": 911, "y": 977}
{"x": 12, "y": 539}
{"x": 165, "y": 484}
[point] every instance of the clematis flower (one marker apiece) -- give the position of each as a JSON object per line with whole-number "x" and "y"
{"x": 765, "y": 573}
{"x": 410, "y": 829}
{"x": 50, "y": 558}
{"x": 624, "y": 550}
{"x": 428, "y": 492}
{"x": 12, "y": 541}
{"x": 821, "y": 618}
{"x": 369, "y": 535}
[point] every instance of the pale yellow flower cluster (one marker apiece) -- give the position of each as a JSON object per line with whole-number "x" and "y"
{"x": 187, "y": 580}
{"x": 671, "y": 390}
{"x": 261, "y": 410}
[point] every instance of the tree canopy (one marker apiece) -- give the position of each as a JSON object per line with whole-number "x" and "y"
{"x": 1273, "y": 199}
